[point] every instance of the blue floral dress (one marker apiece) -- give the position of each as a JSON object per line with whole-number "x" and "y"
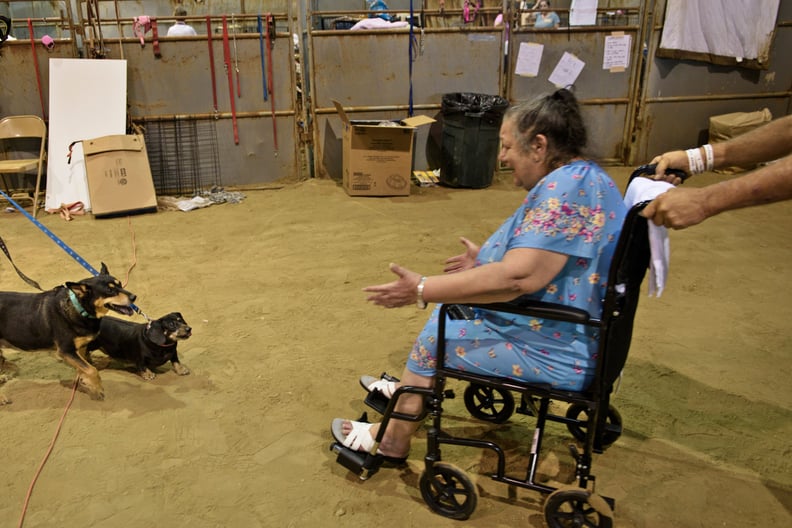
{"x": 576, "y": 210}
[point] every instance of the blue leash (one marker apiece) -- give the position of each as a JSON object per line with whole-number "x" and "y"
{"x": 261, "y": 54}
{"x": 50, "y": 234}
{"x": 412, "y": 37}
{"x": 61, "y": 244}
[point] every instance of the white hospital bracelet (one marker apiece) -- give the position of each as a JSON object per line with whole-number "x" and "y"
{"x": 695, "y": 162}
{"x": 710, "y": 156}
{"x": 419, "y": 301}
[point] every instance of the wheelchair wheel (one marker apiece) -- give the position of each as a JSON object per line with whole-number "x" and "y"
{"x": 579, "y": 412}
{"x": 488, "y": 403}
{"x": 576, "y": 508}
{"x": 448, "y": 491}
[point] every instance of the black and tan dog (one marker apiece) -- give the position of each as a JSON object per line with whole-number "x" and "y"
{"x": 148, "y": 346}
{"x": 66, "y": 318}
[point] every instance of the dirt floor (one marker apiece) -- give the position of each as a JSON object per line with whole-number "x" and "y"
{"x": 272, "y": 288}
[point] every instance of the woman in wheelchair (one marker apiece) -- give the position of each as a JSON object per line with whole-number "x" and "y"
{"x": 556, "y": 247}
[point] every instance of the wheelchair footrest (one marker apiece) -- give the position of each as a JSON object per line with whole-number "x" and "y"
{"x": 377, "y": 401}
{"x": 365, "y": 465}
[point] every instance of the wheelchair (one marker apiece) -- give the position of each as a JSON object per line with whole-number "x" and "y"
{"x": 590, "y": 418}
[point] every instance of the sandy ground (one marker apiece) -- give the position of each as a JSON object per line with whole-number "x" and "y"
{"x": 272, "y": 288}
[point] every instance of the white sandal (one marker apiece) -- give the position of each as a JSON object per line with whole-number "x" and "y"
{"x": 382, "y": 385}
{"x": 360, "y": 439}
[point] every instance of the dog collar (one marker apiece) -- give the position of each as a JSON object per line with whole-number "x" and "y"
{"x": 76, "y": 303}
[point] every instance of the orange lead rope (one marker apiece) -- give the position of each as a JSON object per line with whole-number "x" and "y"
{"x": 271, "y": 24}
{"x": 227, "y": 60}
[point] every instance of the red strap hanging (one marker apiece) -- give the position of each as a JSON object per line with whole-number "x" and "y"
{"x": 155, "y": 38}
{"x": 227, "y": 61}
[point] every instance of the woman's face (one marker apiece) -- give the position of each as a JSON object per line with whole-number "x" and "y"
{"x": 529, "y": 167}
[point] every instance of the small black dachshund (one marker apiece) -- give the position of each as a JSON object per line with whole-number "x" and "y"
{"x": 148, "y": 346}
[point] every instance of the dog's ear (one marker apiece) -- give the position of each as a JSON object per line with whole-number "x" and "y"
{"x": 157, "y": 334}
{"x": 79, "y": 288}
{"x": 103, "y": 270}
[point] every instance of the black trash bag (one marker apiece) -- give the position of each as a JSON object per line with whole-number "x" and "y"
{"x": 490, "y": 107}
{"x": 470, "y": 139}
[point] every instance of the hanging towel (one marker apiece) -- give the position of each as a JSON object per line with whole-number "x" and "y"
{"x": 639, "y": 190}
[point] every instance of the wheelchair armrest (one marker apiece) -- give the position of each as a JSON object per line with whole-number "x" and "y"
{"x": 545, "y": 310}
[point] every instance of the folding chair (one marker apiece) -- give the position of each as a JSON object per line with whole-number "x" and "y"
{"x": 589, "y": 417}
{"x": 17, "y": 161}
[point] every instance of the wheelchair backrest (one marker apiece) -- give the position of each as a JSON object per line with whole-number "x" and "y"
{"x": 627, "y": 271}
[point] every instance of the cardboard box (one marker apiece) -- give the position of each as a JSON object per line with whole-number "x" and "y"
{"x": 726, "y": 126}
{"x": 119, "y": 176}
{"x": 378, "y": 155}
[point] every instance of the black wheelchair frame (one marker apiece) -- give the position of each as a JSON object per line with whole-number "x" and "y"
{"x": 590, "y": 417}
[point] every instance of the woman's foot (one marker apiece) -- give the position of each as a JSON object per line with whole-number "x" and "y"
{"x": 386, "y": 385}
{"x": 359, "y": 436}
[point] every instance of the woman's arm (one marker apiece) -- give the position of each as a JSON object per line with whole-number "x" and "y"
{"x": 521, "y": 271}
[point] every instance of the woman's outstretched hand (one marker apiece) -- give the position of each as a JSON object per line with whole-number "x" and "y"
{"x": 465, "y": 260}
{"x": 401, "y": 292}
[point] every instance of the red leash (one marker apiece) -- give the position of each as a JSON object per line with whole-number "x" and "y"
{"x": 36, "y": 66}
{"x": 227, "y": 59}
{"x": 155, "y": 38}
{"x": 271, "y": 24}
{"x": 211, "y": 61}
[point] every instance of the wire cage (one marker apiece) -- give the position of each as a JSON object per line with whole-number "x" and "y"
{"x": 183, "y": 155}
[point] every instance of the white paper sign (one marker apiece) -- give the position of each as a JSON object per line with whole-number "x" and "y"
{"x": 528, "y": 59}
{"x": 567, "y": 70}
{"x": 583, "y": 13}
{"x": 617, "y": 52}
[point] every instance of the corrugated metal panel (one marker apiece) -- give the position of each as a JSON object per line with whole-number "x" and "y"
{"x": 20, "y": 93}
{"x": 605, "y": 95}
{"x": 368, "y": 73}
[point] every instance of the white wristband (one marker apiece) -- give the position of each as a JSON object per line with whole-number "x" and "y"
{"x": 710, "y": 156}
{"x": 419, "y": 301}
{"x": 695, "y": 161}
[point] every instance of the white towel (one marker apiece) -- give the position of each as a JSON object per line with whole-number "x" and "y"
{"x": 378, "y": 23}
{"x": 639, "y": 190}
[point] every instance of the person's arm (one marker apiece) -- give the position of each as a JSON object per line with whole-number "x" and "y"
{"x": 765, "y": 143}
{"x": 521, "y": 271}
{"x": 683, "y": 207}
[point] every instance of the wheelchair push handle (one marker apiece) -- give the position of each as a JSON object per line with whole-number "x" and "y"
{"x": 649, "y": 170}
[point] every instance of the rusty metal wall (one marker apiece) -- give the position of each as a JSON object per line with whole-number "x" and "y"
{"x": 20, "y": 93}
{"x": 178, "y": 84}
{"x": 367, "y": 71}
{"x": 680, "y": 95}
{"x": 632, "y": 115}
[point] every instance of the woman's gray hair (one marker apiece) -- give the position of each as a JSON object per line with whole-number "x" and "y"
{"x": 556, "y": 116}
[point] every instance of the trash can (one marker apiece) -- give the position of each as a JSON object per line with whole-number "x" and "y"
{"x": 471, "y": 129}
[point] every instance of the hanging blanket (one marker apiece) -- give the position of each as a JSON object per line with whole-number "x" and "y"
{"x": 725, "y": 32}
